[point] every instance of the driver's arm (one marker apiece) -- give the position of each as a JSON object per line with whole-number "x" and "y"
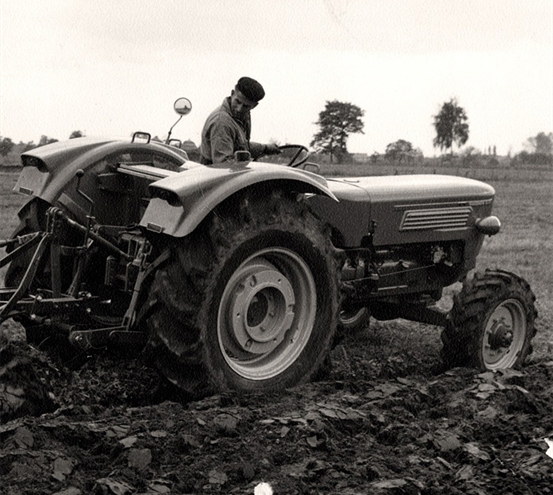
{"x": 257, "y": 149}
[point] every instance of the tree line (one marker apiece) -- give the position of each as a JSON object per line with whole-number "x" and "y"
{"x": 7, "y": 145}
{"x": 339, "y": 120}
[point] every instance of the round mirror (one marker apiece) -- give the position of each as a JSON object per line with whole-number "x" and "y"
{"x": 183, "y": 106}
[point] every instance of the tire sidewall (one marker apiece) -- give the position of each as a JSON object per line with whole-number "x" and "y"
{"x": 508, "y": 292}
{"x": 464, "y": 334}
{"x": 315, "y": 350}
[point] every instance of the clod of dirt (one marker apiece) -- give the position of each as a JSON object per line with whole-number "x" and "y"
{"x": 25, "y": 382}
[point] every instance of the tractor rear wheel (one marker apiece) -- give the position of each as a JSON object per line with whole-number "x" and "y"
{"x": 491, "y": 324}
{"x": 249, "y": 304}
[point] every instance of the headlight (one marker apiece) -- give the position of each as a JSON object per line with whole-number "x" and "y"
{"x": 488, "y": 225}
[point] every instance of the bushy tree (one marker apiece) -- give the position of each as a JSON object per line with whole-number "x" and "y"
{"x": 451, "y": 126}
{"x": 27, "y": 146}
{"x": 524, "y": 157}
{"x": 44, "y": 140}
{"x": 336, "y": 122}
{"x": 6, "y": 145}
{"x": 399, "y": 150}
{"x": 542, "y": 143}
{"x": 76, "y": 134}
{"x": 538, "y": 150}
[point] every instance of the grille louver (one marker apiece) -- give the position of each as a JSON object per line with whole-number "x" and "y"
{"x": 436, "y": 218}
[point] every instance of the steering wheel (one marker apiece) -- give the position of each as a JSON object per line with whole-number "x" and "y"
{"x": 300, "y": 148}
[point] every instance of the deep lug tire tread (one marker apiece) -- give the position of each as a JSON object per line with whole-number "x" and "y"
{"x": 179, "y": 315}
{"x": 481, "y": 293}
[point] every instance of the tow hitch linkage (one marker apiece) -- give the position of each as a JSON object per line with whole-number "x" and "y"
{"x": 49, "y": 306}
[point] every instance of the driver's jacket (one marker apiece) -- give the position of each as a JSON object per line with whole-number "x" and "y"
{"x": 223, "y": 134}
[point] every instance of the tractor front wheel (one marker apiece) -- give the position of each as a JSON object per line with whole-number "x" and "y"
{"x": 355, "y": 319}
{"x": 491, "y": 324}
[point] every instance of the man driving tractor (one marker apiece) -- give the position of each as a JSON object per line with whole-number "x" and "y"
{"x": 228, "y": 127}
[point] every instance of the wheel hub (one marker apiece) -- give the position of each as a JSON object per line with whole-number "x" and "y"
{"x": 262, "y": 310}
{"x": 267, "y": 313}
{"x": 504, "y": 335}
{"x": 501, "y": 335}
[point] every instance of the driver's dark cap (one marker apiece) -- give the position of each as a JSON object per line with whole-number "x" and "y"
{"x": 250, "y": 88}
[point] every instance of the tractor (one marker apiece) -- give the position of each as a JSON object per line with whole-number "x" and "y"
{"x": 241, "y": 276}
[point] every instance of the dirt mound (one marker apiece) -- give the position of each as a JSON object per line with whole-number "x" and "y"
{"x": 25, "y": 382}
{"x": 385, "y": 422}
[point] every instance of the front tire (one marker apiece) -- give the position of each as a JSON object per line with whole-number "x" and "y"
{"x": 491, "y": 324}
{"x": 354, "y": 320}
{"x": 248, "y": 304}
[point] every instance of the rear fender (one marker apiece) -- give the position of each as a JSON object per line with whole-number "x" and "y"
{"x": 179, "y": 204}
{"x": 49, "y": 173}
{"x": 48, "y": 170}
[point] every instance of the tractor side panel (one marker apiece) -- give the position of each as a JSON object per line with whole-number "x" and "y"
{"x": 350, "y": 218}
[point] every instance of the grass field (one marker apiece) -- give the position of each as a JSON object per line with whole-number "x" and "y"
{"x": 524, "y": 203}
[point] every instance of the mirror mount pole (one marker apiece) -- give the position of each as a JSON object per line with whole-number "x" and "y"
{"x": 171, "y": 130}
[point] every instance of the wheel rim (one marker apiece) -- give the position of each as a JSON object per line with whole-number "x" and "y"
{"x": 266, "y": 314}
{"x": 504, "y": 335}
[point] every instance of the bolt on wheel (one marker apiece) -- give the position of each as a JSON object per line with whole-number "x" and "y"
{"x": 504, "y": 335}
{"x": 266, "y": 313}
{"x": 491, "y": 323}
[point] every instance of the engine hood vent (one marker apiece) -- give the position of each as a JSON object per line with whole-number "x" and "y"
{"x": 449, "y": 218}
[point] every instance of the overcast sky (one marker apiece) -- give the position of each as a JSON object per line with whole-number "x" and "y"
{"x": 116, "y": 66}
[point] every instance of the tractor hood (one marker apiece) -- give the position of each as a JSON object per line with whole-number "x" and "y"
{"x": 400, "y": 188}
{"x": 405, "y": 208}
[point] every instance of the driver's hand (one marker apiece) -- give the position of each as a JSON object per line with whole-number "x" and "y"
{"x": 271, "y": 149}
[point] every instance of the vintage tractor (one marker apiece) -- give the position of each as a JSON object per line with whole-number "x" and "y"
{"x": 239, "y": 276}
